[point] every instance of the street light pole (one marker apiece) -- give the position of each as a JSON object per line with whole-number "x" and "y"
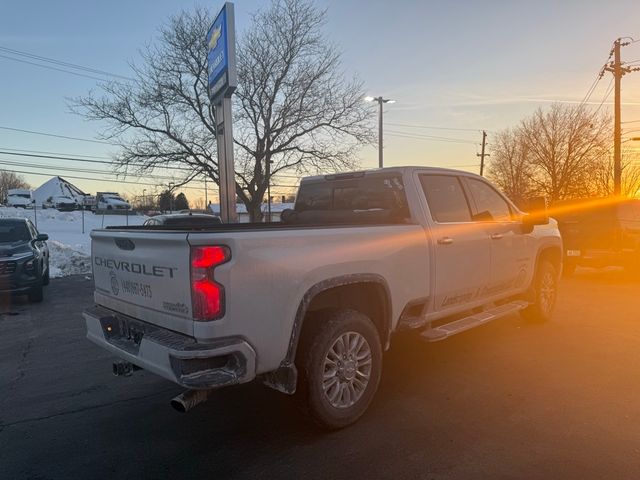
{"x": 380, "y": 101}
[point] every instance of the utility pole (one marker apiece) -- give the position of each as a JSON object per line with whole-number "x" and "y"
{"x": 381, "y": 101}
{"x": 268, "y": 169}
{"x": 380, "y": 136}
{"x": 482, "y": 155}
{"x": 618, "y": 71}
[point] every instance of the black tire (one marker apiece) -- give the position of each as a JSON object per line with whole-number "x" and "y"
{"x": 45, "y": 276}
{"x": 320, "y": 341}
{"x": 109, "y": 207}
{"x": 545, "y": 291}
{"x": 36, "y": 294}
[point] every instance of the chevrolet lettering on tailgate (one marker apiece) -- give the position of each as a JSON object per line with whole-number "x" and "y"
{"x": 137, "y": 268}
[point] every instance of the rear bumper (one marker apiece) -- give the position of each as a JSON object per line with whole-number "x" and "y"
{"x": 171, "y": 355}
{"x": 600, "y": 258}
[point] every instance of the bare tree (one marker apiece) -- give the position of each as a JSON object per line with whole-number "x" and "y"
{"x": 9, "y": 180}
{"x": 563, "y": 145}
{"x": 509, "y": 168}
{"x": 295, "y": 110}
{"x": 560, "y": 153}
{"x": 602, "y": 174}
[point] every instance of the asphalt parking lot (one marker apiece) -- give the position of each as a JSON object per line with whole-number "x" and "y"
{"x": 508, "y": 400}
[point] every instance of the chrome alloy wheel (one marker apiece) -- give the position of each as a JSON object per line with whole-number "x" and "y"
{"x": 547, "y": 293}
{"x": 347, "y": 370}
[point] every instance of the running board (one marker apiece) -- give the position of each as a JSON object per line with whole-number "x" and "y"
{"x": 457, "y": 326}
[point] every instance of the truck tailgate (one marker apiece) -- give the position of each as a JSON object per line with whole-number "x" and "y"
{"x": 144, "y": 275}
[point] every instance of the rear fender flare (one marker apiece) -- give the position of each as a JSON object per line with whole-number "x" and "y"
{"x": 285, "y": 378}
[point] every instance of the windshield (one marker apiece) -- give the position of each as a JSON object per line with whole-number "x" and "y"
{"x": 20, "y": 195}
{"x": 14, "y": 232}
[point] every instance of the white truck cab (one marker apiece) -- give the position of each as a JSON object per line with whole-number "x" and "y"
{"x": 111, "y": 201}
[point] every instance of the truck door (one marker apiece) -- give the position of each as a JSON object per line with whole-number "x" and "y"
{"x": 462, "y": 248}
{"x": 510, "y": 256}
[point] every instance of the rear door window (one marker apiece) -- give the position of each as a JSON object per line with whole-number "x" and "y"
{"x": 446, "y": 198}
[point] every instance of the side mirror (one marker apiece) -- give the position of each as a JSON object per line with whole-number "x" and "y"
{"x": 537, "y": 214}
{"x": 42, "y": 237}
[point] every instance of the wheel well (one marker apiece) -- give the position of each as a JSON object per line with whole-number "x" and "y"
{"x": 553, "y": 255}
{"x": 369, "y": 298}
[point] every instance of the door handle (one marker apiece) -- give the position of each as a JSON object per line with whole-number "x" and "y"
{"x": 445, "y": 241}
{"x": 496, "y": 236}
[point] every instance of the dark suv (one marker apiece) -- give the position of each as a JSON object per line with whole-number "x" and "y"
{"x": 24, "y": 258}
{"x": 599, "y": 233}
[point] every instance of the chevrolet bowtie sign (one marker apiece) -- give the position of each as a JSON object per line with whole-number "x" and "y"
{"x": 221, "y": 58}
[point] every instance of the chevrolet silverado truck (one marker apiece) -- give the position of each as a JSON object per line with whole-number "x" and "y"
{"x": 308, "y": 305}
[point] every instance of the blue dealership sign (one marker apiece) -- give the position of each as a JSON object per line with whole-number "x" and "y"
{"x": 221, "y": 58}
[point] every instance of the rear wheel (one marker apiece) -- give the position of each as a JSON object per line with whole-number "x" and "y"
{"x": 545, "y": 288}
{"x": 341, "y": 362}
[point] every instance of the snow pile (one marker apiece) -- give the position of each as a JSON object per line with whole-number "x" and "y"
{"x": 70, "y": 248}
{"x": 55, "y": 187}
{"x": 66, "y": 260}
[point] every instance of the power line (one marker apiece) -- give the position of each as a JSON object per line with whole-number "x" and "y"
{"x": 54, "y": 61}
{"x": 35, "y": 132}
{"x": 21, "y": 153}
{"x": 598, "y": 78}
{"x": 54, "y": 153}
{"x": 51, "y": 68}
{"x": 85, "y": 160}
{"x": 395, "y": 133}
{"x": 606, "y": 96}
{"x": 82, "y": 170}
{"x": 414, "y": 125}
{"x": 102, "y": 172}
{"x": 75, "y": 177}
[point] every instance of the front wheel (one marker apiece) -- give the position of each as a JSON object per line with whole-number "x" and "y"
{"x": 341, "y": 365}
{"x": 545, "y": 286}
{"x": 46, "y": 277}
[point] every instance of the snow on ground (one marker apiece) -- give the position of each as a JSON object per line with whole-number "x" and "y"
{"x": 69, "y": 247}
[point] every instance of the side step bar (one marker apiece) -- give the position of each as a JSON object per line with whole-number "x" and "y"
{"x": 457, "y": 326}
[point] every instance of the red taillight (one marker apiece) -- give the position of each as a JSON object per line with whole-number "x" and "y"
{"x": 207, "y": 295}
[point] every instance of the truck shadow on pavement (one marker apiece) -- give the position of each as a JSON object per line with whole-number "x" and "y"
{"x": 606, "y": 276}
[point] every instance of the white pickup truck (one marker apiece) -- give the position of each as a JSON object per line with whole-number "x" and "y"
{"x": 309, "y": 304}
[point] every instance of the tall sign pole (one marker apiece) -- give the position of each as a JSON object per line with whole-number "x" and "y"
{"x": 223, "y": 80}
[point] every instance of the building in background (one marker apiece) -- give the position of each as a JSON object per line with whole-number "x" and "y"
{"x": 57, "y": 188}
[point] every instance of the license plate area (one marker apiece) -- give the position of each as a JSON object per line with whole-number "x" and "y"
{"x": 573, "y": 253}
{"x": 123, "y": 332}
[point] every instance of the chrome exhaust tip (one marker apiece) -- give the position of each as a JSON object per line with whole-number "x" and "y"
{"x": 189, "y": 399}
